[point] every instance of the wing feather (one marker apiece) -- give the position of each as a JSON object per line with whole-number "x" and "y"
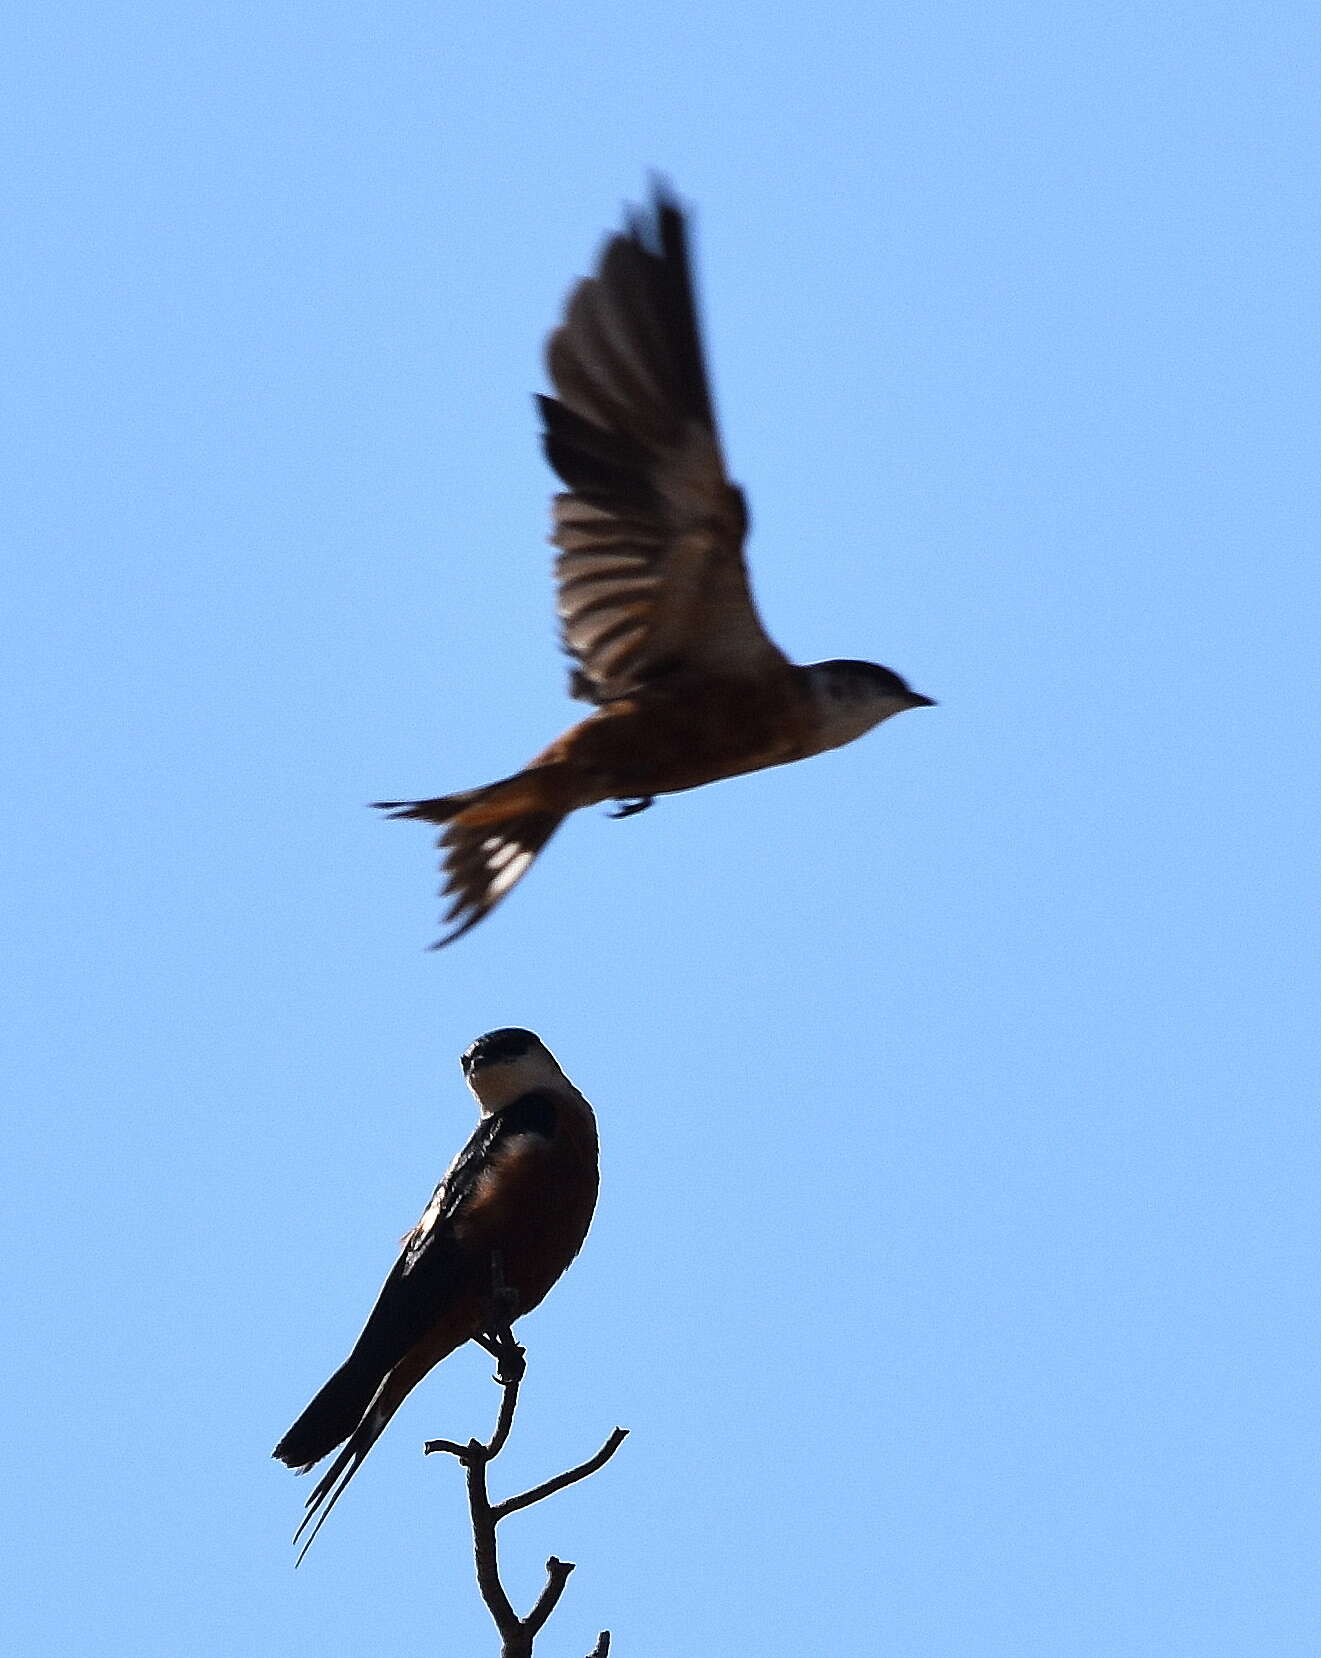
{"x": 651, "y": 576}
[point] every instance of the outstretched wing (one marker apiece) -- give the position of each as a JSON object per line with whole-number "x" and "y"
{"x": 651, "y": 575}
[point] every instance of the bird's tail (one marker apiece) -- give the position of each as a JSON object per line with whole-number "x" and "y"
{"x": 320, "y": 1427}
{"x": 537, "y": 788}
{"x": 491, "y": 837}
{"x": 333, "y": 1414}
{"x": 334, "y": 1482}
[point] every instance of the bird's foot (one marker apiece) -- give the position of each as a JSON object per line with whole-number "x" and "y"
{"x": 509, "y": 1356}
{"x": 631, "y": 808}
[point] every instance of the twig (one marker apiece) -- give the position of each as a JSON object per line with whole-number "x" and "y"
{"x": 516, "y": 1634}
{"x": 548, "y": 1488}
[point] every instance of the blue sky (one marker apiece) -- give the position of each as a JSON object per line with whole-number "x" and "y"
{"x": 956, "y": 1259}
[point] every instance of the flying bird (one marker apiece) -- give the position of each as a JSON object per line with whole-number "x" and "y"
{"x": 510, "y": 1214}
{"x": 654, "y": 603}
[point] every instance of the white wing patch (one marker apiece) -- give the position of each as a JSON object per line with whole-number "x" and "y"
{"x": 505, "y": 862}
{"x": 498, "y": 852}
{"x": 483, "y": 862}
{"x": 415, "y": 1241}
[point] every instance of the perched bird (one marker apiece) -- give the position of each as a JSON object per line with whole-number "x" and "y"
{"x": 510, "y": 1214}
{"x": 653, "y": 596}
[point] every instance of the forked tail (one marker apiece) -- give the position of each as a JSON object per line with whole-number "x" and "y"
{"x": 334, "y": 1482}
{"x": 490, "y": 838}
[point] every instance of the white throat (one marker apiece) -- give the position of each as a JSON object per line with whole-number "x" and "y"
{"x": 495, "y": 1085}
{"x": 850, "y": 700}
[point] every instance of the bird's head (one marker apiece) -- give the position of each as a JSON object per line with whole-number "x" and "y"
{"x": 505, "y": 1064}
{"x": 852, "y": 697}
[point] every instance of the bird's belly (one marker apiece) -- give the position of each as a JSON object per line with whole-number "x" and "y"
{"x": 664, "y": 745}
{"x": 536, "y": 1253}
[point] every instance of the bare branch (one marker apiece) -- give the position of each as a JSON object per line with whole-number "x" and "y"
{"x": 511, "y": 1364}
{"x": 557, "y": 1575}
{"x": 516, "y": 1634}
{"x": 454, "y": 1450}
{"x": 548, "y": 1488}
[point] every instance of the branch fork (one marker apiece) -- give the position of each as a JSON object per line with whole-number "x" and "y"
{"x": 516, "y": 1634}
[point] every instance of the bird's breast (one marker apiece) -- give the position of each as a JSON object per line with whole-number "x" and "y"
{"x": 532, "y": 1206}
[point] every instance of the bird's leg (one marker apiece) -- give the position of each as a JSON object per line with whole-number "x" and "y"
{"x": 631, "y": 808}
{"x": 497, "y": 1335}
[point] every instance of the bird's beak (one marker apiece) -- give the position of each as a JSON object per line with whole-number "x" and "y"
{"x": 917, "y": 700}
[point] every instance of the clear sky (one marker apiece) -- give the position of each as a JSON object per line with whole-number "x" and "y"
{"x": 956, "y": 1261}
